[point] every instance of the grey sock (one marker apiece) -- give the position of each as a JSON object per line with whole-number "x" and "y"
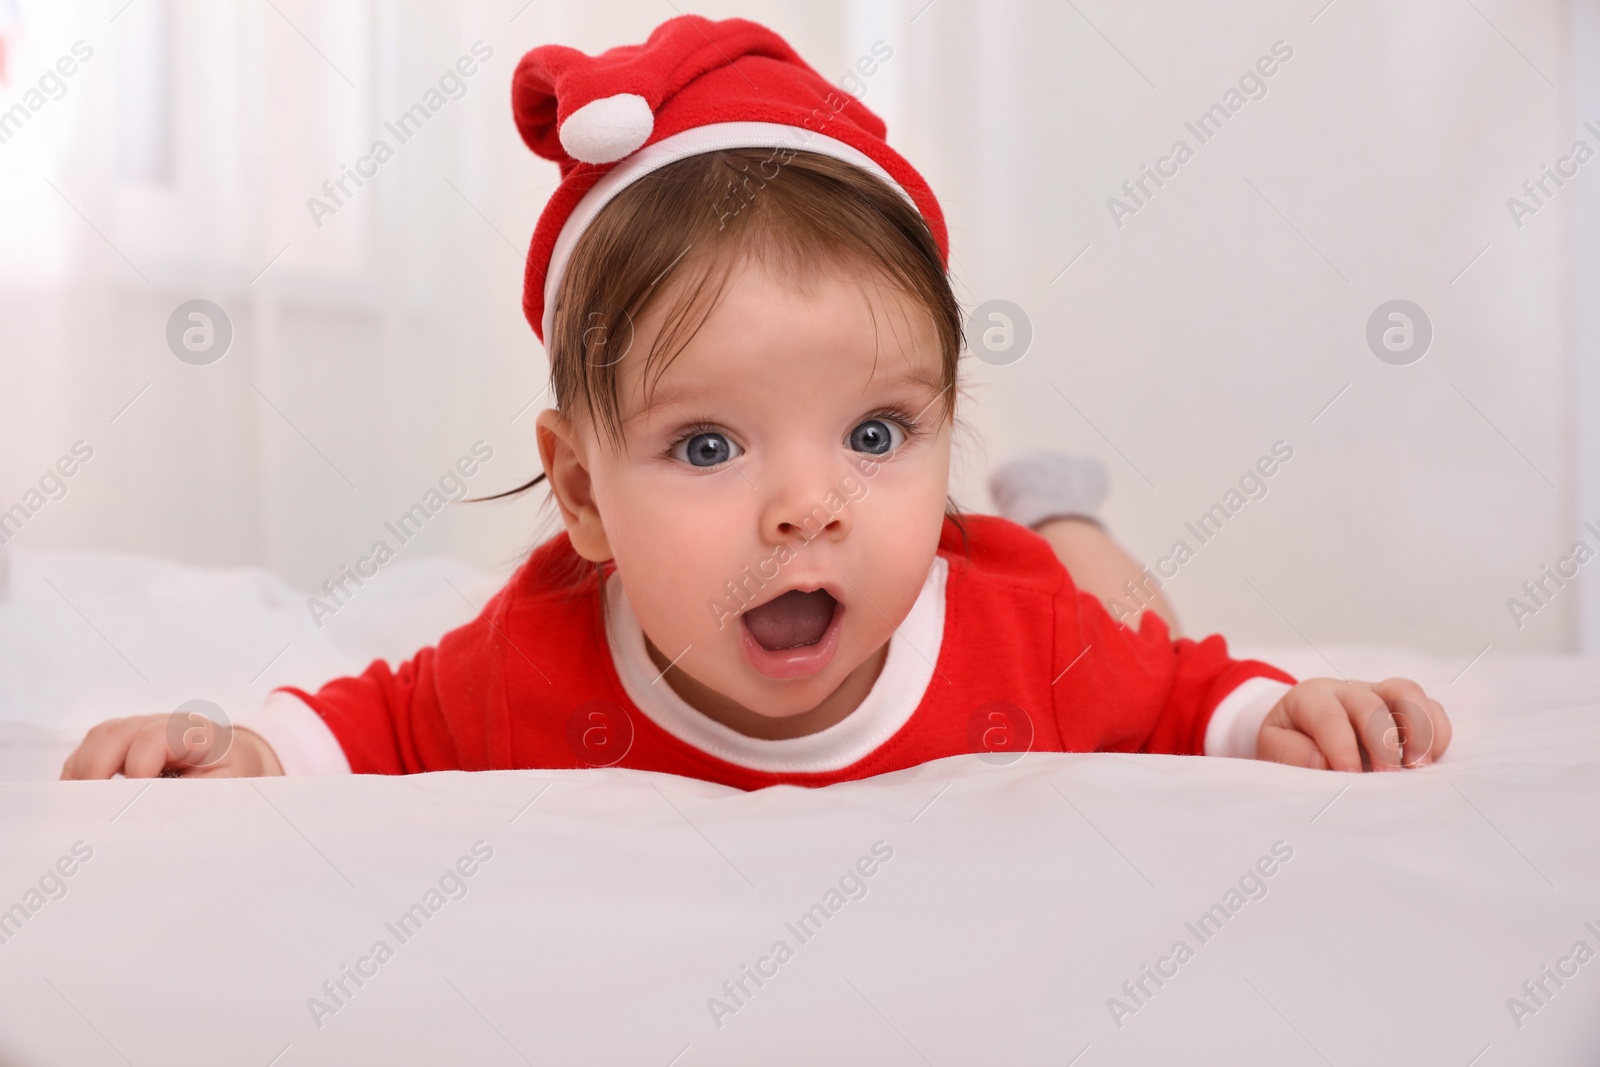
{"x": 1036, "y": 486}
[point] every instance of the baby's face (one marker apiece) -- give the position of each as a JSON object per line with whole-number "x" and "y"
{"x": 798, "y": 443}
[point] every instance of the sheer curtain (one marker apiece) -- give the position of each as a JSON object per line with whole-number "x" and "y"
{"x": 371, "y": 346}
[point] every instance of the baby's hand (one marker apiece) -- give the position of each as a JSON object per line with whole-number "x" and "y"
{"x": 1324, "y": 723}
{"x": 145, "y": 746}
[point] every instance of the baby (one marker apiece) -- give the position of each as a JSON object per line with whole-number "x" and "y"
{"x": 753, "y": 345}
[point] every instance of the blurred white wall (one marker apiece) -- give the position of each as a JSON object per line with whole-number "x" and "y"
{"x": 374, "y": 346}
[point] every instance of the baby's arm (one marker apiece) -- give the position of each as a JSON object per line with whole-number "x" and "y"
{"x": 382, "y": 721}
{"x": 1123, "y": 689}
{"x": 1100, "y": 567}
{"x": 1058, "y": 496}
{"x": 145, "y": 746}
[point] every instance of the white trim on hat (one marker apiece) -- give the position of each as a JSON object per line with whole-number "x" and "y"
{"x": 692, "y": 142}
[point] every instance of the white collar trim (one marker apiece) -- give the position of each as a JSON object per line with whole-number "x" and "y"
{"x": 894, "y": 697}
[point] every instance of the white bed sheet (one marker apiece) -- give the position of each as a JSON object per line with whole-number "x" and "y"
{"x": 615, "y": 906}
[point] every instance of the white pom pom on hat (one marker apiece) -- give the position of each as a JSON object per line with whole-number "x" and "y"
{"x": 607, "y": 129}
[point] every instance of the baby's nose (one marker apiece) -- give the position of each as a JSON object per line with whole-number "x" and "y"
{"x": 807, "y": 507}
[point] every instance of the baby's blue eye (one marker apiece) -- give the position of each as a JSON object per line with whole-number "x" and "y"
{"x": 876, "y": 437}
{"x": 706, "y": 450}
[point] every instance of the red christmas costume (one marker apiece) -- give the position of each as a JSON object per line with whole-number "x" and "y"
{"x": 532, "y": 682}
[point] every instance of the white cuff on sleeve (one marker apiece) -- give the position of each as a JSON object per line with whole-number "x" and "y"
{"x": 302, "y": 741}
{"x": 1237, "y": 720}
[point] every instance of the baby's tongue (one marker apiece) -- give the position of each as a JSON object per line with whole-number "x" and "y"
{"x": 791, "y": 620}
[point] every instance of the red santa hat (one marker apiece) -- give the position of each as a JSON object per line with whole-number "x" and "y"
{"x": 695, "y": 86}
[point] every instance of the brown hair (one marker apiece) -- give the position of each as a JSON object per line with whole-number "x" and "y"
{"x": 696, "y": 219}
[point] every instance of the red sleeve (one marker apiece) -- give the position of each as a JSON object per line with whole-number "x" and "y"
{"x": 432, "y": 713}
{"x": 1123, "y": 690}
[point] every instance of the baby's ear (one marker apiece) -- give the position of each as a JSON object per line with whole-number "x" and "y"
{"x": 561, "y": 451}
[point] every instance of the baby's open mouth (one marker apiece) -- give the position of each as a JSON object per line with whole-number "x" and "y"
{"x": 792, "y": 620}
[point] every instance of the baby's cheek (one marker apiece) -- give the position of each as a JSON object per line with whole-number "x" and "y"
{"x": 894, "y": 560}
{"x": 902, "y": 511}
{"x": 676, "y": 562}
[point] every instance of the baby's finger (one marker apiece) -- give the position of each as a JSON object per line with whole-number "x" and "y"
{"x": 1416, "y": 728}
{"x": 1414, "y": 714}
{"x": 1382, "y": 736}
{"x": 1283, "y": 745}
{"x": 1320, "y": 714}
{"x": 69, "y": 766}
{"x": 149, "y": 752}
{"x": 101, "y": 752}
{"x": 1430, "y": 736}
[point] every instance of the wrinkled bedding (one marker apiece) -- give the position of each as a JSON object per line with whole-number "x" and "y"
{"x": 960, "y": 912}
